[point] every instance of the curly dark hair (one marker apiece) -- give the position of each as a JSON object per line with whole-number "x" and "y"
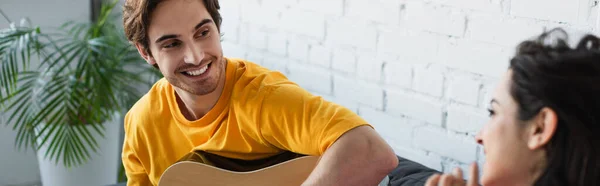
{"x": 547, "y": 72}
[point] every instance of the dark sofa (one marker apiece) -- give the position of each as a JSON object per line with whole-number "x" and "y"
{"x": 409, "y": 173}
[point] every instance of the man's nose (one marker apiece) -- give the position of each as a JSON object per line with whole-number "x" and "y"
{"x": 193, "y": 54}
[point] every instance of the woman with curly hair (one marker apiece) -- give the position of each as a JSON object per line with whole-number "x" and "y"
{"x": 544, "y": 126}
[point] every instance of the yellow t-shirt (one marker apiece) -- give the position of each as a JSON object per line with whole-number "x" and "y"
{"x": 260, "y": 113}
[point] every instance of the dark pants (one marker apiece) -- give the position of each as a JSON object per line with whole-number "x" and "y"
{"x": 410, "y": 173}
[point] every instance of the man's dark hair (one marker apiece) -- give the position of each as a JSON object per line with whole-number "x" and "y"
{"x": 136, "y": 18}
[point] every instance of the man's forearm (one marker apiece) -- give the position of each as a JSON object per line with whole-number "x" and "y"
{"x": 359, "y": 157}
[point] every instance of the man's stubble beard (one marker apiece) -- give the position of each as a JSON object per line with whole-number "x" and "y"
{"x": 203, "y": 87}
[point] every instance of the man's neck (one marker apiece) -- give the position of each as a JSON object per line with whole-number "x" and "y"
{"x": 194, "y": 107}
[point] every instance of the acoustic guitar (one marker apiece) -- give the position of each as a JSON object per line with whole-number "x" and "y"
{"x": 202, "y": 168}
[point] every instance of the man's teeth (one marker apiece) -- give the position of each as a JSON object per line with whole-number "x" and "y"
{"x": 198, "y": 72}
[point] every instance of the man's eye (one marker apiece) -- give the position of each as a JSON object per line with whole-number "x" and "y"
{"x": 170, "y": 45}
{"x": 204, "y": 33}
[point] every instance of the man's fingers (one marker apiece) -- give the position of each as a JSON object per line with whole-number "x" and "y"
{"x": 433, "y": 180}
{"x": 474, "y": 178}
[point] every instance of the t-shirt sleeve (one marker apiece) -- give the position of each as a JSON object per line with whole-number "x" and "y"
{"x": 134, "y": 170}
{"x": 293, "y": 119}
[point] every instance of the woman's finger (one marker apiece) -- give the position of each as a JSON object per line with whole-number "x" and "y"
{"x": 447, "y": 180}
{"x": 457, "y": 173}
{"x": 433, "y": 180}
{"x": 474, "y": 178}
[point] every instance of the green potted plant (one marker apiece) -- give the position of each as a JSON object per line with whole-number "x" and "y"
{"x": 65, "y": 93}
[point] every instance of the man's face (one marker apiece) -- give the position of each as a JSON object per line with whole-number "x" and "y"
{"x": 185, "y": 44}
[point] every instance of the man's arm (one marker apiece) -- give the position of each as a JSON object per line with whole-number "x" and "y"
{"x": 134, "y": 170}
{"x": 351, "y": 152}
{"x": 359, "y": 157}
{"x": 136, "y": 176}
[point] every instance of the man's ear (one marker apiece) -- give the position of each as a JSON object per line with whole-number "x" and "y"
{"x": 542, "y": 128}
{"x": 143, "y": 52}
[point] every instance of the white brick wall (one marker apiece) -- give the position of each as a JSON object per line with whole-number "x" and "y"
{"x": 557, "y": 10}
{"x": 352, "y": 32}
{"x": 379, "y": 11}
{"x": 303, "y": 23}
{"x": 414, "y": 106}
{"x": 344, "y": 61}
{"x": 439, "y": 19}
{"x": 464, "y": 88}
{"x": 454, "y": 146}
{"x": 429, "y": 80}
{"x": 422, "y": 72}
{"x": 362, "y": 92}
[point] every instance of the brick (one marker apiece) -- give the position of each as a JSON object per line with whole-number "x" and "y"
{"x": 369, "y": 67}
{"x": 409, "y": 44}
{"x": 480, "y": 160}
{"x": 320, "y": 55}
{"x": 230, "y": 33}
{"x": 344, "y": 61}
{"x": 555, "y": 10}
{"x": 429, "y": 79}
{"x": 485, "y": 27}
{"x": 231, "y": 21}
{"x": 590, "y": 15}
{"x": 398, "y": 74}
{"x": 480, "y": 156}
{"x": 279, "y": 5}
{"x": 487, "y": 92}
{"x": 329, "y": 7}
{"x": 355, "y": 33}
{"x": 298, "y": 48}
{"x": 492, "y": 6}
{"x": 464, "y": 89}
{"x": 435, "y": 18}
{"x": 233, "y": 50}
{"x": 414, "y": 106}
{"x": 276, "y": 63}
{"x": 475, "y": 57}
{"x": 256, "y": 38}
{"x": 362, "y": 92}
{"x": 253, "y": 13}
{"x": 255, "y": 56}
{"x": 378, "y": 11}
{"x": 466, "y": 119}
{"x": 437, "y": 140}
{"x": 304, "y": 23}
{"x": 390, "y": 127}
{"x": 418, "y": 156}
{"x": 277, "y": 43}
{"x": 310, "y": 77}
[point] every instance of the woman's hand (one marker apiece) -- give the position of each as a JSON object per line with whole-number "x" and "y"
{"x": 455, "y": 179}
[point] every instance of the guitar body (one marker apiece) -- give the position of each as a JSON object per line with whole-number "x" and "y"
{"x": 201, "y": 168}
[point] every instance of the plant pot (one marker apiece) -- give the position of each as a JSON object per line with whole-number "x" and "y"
{"x": 100, "y": 170}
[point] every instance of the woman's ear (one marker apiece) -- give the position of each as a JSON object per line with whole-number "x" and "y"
{"x": 542, "y": 128}
{"x": 143, "y": 52}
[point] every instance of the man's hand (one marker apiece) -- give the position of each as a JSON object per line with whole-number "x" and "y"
{"x": 359, "y": 157}
{"x": 454, "y": 179}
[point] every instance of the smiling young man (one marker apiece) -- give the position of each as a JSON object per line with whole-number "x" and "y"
{"x": 232, "y": 107}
